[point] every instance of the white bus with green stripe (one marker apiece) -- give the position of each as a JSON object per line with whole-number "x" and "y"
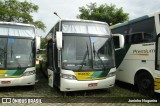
{"x": 17, "y": 54}
{"x": 80, "y": 55}
{"x": 138, "y": 63}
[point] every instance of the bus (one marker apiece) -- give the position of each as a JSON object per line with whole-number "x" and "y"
{"x": 17, "y": 54}
{"x": 80, "y": 55}
{"x": 138, "y": 62}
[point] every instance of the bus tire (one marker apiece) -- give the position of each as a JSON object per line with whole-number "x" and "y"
{"x": 145, "y": 84}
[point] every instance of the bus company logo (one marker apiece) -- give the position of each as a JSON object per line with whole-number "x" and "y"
{"x": 84, "y": 73}
{"x": 145, "y": 52}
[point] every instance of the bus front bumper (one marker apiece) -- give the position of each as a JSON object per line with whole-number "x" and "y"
{"x": 75, "y": 85}
{"x": 20, "y": 81}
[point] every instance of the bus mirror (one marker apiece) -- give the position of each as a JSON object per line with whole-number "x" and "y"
{"x": 59, "y": 40}
{"x": 38, "y": 42}
{"x": 118, "y": 41}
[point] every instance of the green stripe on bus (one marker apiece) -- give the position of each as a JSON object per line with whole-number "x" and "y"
{"x": 19, "y": 72}
{"x": 99, "y": 74}
{"x": 120, "y": 54}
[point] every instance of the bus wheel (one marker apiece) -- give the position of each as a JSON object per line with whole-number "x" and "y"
{"x": 145, "y": 84}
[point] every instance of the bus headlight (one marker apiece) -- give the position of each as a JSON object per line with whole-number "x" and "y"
{"x": 111, "y": 74}
{"x": 68, "y": 76}
{"x": 29, "y": 73}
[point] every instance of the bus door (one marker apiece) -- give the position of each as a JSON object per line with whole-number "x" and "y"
{"x": 50, "y": 60}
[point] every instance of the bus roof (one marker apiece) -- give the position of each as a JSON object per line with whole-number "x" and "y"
{"x": 81, "y": 20}
{"x": 134, "y": 20}
{"x": 75, "y": 20}
{"x": 14, "y": 23}
{"x": 129, "y": 22}
{"x": 17, "y": 29}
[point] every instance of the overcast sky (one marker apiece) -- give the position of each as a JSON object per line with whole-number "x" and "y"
{"x": 70, "y": 9}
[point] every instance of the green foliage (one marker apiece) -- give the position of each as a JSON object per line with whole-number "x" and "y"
{"x": 105, "y": 13}
{"x": 43, "y": 43}
{"x": 15, "y": 11}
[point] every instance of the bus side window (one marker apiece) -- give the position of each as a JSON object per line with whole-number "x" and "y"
{"x": 146, "y": 25}
{"x": 56, "y": 28}
{"x": 122, "y": 30}
{"x": 50, "y": 55}
{"x": 55, "y": 55}
{"x": 136, "y": 38}
{"x": 148, "y": 37}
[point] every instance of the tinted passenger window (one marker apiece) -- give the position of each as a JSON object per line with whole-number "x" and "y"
{"x": 136, "y": 38}
{"x": 120, "y": 30}
{"x": 141, "y": 38}
{"x": 50, "y": 54}
{"x": 56, "y": 28}
{"x": 148, "y": 37}
{"x": 146, "y": 26}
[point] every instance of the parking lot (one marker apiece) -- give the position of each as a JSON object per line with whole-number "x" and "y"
{"x": 117, "y": 94}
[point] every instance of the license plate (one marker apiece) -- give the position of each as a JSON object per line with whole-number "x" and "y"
{"x": 92, "y": 84}
{"x": 5, "y": 82}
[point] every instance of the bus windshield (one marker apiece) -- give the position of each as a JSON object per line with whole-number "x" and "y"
{"x": 87, "y": 52}
{"x": 19, "y": 53}
{"x": 16, "y": 53}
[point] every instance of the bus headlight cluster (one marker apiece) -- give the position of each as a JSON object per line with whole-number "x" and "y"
{"x": 29, "y": 73}
{"x": 68, "y": 76}
{"x": 111, "y": 74}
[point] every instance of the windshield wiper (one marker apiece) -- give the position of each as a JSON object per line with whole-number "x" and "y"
{"x": 84, "y": 57}
{"x": 94, "y": 53}
{"x": 11, "y": 52}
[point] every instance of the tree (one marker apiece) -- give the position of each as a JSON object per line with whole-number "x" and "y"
{"x": 15, "y": 11}
{"x": 105, "y": 13}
